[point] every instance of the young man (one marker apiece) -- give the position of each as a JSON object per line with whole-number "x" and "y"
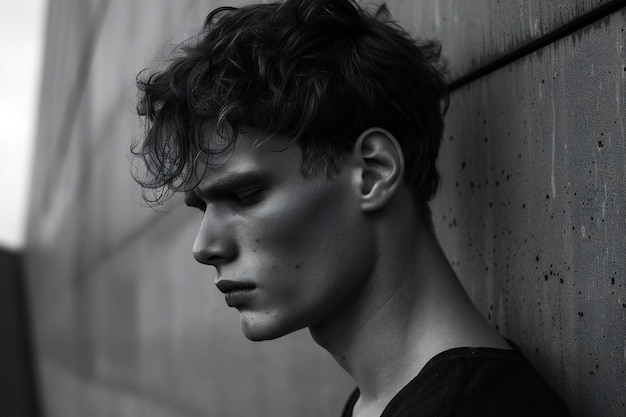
{"x": 307, "y": 132}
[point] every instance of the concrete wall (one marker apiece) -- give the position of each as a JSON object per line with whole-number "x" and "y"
{"x": 531, "y": 207}
{"x": 531, "y": 214}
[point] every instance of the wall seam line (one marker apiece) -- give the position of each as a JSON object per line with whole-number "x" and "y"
{"x": 541, "y": 42}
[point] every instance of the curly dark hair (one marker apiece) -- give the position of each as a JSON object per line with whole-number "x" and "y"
{"x": 318, "y": 71}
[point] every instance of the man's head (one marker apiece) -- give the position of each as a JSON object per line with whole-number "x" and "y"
{"x": 293, "y": 126}
{"x": 318, "y": 71}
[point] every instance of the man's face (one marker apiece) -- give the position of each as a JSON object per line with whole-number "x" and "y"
{"x": 291, "y": 251}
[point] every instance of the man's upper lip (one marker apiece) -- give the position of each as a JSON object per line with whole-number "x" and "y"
{"x": 225, "y": 285}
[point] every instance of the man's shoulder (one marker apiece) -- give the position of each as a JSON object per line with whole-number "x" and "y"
{"x": 495, "y": 382}
{"x": 468, "y": 382}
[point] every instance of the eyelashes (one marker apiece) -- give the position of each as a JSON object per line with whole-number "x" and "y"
{"x": 248, "y": 197}
{"x": 235, "y": 200}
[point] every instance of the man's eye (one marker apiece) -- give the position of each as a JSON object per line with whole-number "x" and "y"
{"x": 247, "y": 197}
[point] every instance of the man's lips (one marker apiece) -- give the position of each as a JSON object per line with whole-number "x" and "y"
{"x": 237, "y": 293}
{"x": 226, "y": 286}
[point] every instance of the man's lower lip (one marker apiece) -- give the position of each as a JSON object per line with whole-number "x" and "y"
{"x": 239, "y": 297}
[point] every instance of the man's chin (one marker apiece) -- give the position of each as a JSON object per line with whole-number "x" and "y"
{"x": 258, "y": 329}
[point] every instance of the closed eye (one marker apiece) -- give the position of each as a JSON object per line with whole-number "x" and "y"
{"x": 247, "y": 197}
{"x": 238, "y": 189}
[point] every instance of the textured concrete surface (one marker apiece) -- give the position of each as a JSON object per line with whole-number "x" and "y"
{"x": 531, "y": 210}
{"x": 474, "y": 33}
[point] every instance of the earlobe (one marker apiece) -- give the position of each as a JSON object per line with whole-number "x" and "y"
{"x": 382, "y": 164}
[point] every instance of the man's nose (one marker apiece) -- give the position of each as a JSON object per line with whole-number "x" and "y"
{"x": 214, "y": 244}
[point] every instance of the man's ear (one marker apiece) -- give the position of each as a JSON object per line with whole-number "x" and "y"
{"x": 382, "y": 166}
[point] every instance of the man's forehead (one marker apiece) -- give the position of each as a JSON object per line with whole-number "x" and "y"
{"x": 246, "y": 156}
{"x": 252, "y": 156}
{"x": 249, "y": 143}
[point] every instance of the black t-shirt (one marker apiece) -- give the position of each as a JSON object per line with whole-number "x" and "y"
{"x": 474, "y": 382}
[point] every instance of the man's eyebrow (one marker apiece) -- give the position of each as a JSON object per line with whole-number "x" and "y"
{"x": 227, "y": 183}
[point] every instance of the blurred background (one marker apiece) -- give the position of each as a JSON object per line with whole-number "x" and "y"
{"x": 104, "y": 312}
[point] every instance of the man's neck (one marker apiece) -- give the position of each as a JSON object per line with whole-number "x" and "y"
{"x": 412, "y": 309}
